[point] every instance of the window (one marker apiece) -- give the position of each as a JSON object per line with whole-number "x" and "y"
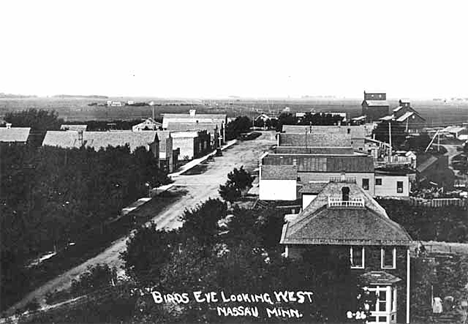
{"x": 345, "y": 194}
{"x": 399, "y": 187}
{"x": 349, "y": 130}
{"x": 365, "y": 184}
{"x": 381, "y": 312}
{"x": 357, "y": 257}
{"x": 378, "y": 181}
{"x": 388, "y": 257}
{"x": 382, "y": 301}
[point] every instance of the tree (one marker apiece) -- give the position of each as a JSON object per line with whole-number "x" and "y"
{"x": 320, "y": 119}
{"x": 238, "y": 182}
{"x": 285, "y": 118}
{"x": 147, "y": 252}
{"x": 202, "y": 221}
{"x": 40, "y": 122}
{"x": 238, "y": 126}
{"x": 95, "y": 278}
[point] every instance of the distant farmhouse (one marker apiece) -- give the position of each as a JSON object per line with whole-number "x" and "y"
{"x": 375, "y": 106}
{"x": 214, "y": 124}
{"x": 111, "y": 103}
{"x": 148, "y": 124}
{"x": 14, "y": 135}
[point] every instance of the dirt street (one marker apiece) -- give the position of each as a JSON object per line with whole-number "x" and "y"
{"x": 199, "y": 188}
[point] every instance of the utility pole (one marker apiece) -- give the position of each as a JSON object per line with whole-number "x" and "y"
{"x": 438, "y": 141}
{"x": 390, "y": 141}
{"x": 152, "y": 108}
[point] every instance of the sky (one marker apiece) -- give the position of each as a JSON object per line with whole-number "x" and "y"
{"x": 409, "y": 49}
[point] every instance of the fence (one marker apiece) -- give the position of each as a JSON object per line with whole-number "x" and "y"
{"x": 438, "y": 202}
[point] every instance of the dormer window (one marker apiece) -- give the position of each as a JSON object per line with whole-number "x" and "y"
{"x": 345, "y": 194}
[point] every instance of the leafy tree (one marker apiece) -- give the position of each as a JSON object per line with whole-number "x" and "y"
{"x": 147, "y": 251}
{"x": 238, "y": 181}
{"x": 320, "y": 119}
{"x": 202, "y": 221}
{"x": 238, "y": 126}
{"x": 285, "y": 118}
{"x": 52, "y": 196}
{"x": 96, "y": 277}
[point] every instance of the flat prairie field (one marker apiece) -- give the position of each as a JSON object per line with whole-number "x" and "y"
{"x": 436, "y": 112}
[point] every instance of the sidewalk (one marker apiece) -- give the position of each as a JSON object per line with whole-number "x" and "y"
{"x": 196, "y": 162}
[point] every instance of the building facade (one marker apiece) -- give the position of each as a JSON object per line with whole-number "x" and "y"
{"x": 192, "y": 144}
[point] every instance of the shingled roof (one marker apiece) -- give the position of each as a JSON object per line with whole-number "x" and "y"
{"x": 354, "y": 131}
{"x": 314, "y": 139}
{"x": 323, "y": 163}
{"x": 314, "y": 150}
{"x": 278, "y": 172}
{"x": 319, "y": 224}
{"x": 14, "y": 134}
{"x": 313, "y": 187}
{"x": 377, "y": 103}
{"x": 98, "y": 140}
{"x": 193, "y": 121}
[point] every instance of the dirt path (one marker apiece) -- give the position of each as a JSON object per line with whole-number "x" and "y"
{"x": 199, "y": 188}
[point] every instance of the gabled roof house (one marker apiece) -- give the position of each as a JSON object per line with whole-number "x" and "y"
{"x": 344, "y": 216}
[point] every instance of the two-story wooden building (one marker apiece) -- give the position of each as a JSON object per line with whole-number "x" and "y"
{"x": 344, "y": 216}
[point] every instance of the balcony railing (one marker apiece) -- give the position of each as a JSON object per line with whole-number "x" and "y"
{"x": 338, "y": 202}
{"x": 343, "y": 179}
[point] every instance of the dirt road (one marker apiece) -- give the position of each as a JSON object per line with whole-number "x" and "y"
{"x": 199, "y": 188}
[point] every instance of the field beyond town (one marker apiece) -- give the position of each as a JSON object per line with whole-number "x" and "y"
{"x": 436, "y": 112}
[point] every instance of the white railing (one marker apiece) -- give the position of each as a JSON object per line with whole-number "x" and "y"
{"x": 338, "y": 202}
{"x": 343, "y": 179}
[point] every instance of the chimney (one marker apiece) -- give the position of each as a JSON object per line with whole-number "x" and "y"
{"x": 80, "y": 137}
{"x": 8, "y": 125}
{"x": 339, "y": 123}
{"x": 192, "y": 112}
